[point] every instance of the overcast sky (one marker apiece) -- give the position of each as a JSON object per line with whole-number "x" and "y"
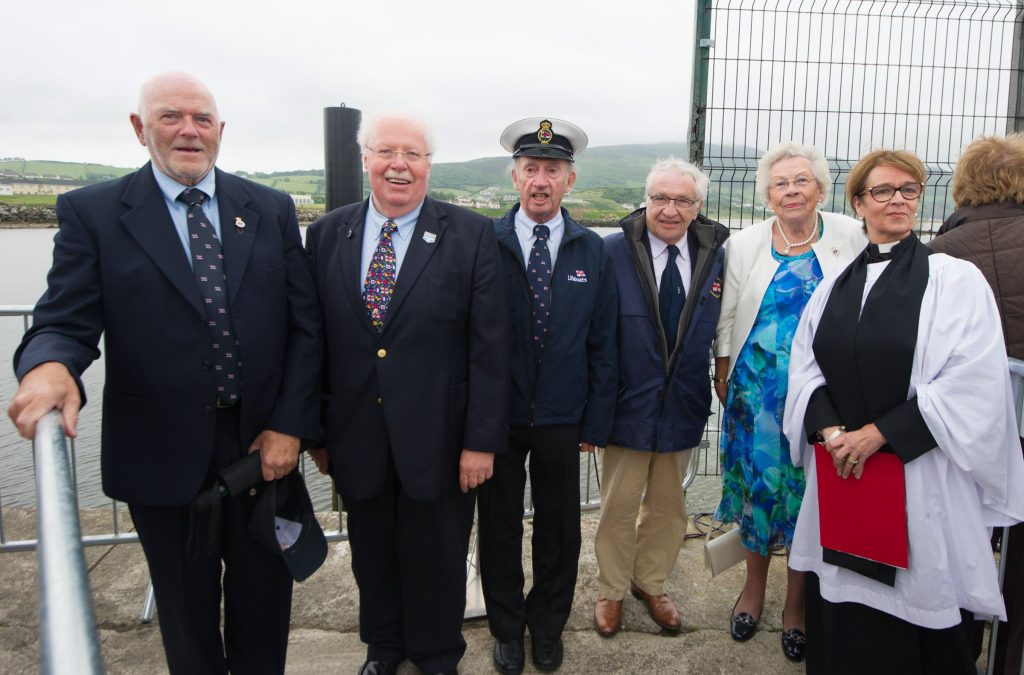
{"x": 620, "y": 70}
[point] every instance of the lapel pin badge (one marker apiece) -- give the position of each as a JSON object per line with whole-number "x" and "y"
{"x": 429, "y": 237}
{"x": 239, "y": 224}
{"x": 835, "y": 251}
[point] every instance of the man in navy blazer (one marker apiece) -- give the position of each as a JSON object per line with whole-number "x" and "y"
{"x": 123, "y": 266}
{"x": 416, "y": 393}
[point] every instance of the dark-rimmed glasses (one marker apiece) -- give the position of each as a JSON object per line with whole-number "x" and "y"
{"x": 661, "y": 201}
{"x": 883, "y": 193}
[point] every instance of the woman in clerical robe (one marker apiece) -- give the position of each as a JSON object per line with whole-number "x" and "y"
{"x": 901, "y": 353}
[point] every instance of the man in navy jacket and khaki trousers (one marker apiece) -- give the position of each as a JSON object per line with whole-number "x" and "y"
{"x": 182, "y": 398}
{"x": 668, "y": 261}
{"x": 561, "y": 296}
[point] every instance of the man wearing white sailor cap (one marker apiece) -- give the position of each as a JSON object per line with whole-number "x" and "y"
{"x": 562, "y": 297}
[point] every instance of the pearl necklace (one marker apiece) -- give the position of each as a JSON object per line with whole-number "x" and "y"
{"x": 791, "y": 245}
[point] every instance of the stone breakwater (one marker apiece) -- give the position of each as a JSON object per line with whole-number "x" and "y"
{"x": 17, "y": 215}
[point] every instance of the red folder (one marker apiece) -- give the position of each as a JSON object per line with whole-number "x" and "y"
{"x": 866, "y": 517}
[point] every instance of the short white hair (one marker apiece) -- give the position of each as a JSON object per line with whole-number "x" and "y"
{"x": 678, "y": 167}
{"x": 819, "y": 167}
{"x": 369, "y": 124}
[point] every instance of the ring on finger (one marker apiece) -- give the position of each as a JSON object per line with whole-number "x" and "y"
{"x": 851, "y": 460}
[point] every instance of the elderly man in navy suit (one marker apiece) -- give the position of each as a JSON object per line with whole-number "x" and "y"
{"x": 416, "y": 393}
{"x": 198, "y": 282}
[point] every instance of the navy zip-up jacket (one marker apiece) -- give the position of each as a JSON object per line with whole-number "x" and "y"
{"x": 575, "y": 383}
{"x": 664, "y": 400}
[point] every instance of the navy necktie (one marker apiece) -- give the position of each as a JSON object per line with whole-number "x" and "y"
{"x": 380, "y": 277}
{"x": 208, "y": 268}
{"x": 538, "y": 273}
{"x": 671, "y": 297}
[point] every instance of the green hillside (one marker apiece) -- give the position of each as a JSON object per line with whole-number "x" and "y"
{"x": 609, "y": 184}
{"x": 63, "y": 170}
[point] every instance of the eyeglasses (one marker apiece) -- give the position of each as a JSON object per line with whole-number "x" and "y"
{"x": 781, "y": 185}
{"x": 661, "y": 201}
{"x": 883, "y": 193}
{"x": 411, "y": 156}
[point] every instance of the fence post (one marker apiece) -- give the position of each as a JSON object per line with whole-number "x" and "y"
{"x": 702, "y": 45}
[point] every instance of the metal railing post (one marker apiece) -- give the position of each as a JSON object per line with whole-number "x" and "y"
{"x": 67, "y": 623}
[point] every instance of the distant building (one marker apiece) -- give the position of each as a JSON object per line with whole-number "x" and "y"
{"x": 302, "y": 200}
{"x": 6, "y": 189}
{"x": 41, "y": 186}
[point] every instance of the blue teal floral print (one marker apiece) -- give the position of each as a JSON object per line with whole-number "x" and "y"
{"x": 761, "y": 489}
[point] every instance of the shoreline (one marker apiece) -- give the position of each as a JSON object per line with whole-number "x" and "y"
{"x": 28, "y": 226}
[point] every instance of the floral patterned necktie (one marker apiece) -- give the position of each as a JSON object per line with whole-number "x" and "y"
{"x": 380, "y": 278}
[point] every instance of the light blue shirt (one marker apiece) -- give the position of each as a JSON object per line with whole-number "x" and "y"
{"x": 524, "y": 231}
{"x": 400, "y": 238}
{"x": 179, "y": 210}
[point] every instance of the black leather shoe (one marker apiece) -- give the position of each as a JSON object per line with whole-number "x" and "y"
{"x": 547, "y": 654}
{"x": 379, "y": 668}
{"x": 509, "y": 657}
{"x": 794, "y": 642}
{"x": 742, "y": 626}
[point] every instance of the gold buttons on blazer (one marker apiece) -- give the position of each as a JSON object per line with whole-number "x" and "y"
{"x": 382, "y": 353}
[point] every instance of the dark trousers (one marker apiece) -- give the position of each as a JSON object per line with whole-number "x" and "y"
{"x": 409, "y": 561}
{"x": 554, "y": 457}
{"x": 850, "y": 638}
{"x": 187, "y": 580}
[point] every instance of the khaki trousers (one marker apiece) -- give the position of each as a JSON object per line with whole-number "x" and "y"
{"x": 643, "y": 519}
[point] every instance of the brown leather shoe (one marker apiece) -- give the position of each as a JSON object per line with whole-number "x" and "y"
{"x": 661, "y": 608}
{"x": 607, "y": 617}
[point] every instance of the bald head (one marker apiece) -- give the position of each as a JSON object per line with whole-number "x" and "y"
{"x": 158, "y": 84}
{"x": 178, "y": 123}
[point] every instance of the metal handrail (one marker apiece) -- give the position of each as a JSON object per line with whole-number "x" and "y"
{"x": 67, "y": 622}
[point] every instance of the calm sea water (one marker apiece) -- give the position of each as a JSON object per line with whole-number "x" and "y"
{"x": 25, "y": 258}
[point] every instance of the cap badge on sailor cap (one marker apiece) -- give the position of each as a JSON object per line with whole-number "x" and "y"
{"x": 544, "y": 134}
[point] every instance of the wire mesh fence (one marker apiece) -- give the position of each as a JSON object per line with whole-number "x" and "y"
{"x": 847, "y": 77}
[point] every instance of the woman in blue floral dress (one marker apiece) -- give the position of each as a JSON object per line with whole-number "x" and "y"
{"x": 772, "y": 268}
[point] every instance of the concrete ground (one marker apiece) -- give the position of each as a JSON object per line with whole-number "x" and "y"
{"x": 325, "y": 637}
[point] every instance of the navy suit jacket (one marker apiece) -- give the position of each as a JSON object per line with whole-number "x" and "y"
{"x": 436, "y": 380}
{"x": 119, "y": 269}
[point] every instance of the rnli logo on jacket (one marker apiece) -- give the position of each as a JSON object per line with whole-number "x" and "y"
{"x": 716, "y": 288}
{"x": 580, "y": 277}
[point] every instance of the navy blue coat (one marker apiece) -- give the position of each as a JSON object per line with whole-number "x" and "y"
{"x": 664, "y": 400}
{"x": 435, "y": 380}
{"x": 119, "y": 270}
{"x": 575, "y": 383}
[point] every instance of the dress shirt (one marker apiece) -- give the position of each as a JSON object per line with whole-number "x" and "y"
{"x": 171, "y": 188}
{"x": 524, "y": 231}
{"x": 400, "y": 238}
{"x": 659, "y": 253}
